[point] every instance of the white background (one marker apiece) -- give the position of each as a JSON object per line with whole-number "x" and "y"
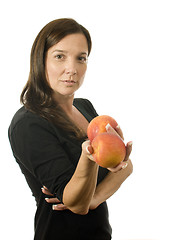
{"x": 131, "y": 73}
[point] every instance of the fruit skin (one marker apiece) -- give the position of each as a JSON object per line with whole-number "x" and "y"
{"x": 98, "y": 125}
{"x": 109, "y": 150}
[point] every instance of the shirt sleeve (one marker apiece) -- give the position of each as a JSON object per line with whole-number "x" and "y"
{"x": 86, "y": 108}
{"x": 37, "y": 147}
{"x": 90, "y": 108}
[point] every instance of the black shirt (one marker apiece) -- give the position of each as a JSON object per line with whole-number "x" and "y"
{"x": 47, "y": 156}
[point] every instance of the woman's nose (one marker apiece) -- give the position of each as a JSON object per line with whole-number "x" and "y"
{"x": 70, "y": 68}
{"x": 71, "y": 72}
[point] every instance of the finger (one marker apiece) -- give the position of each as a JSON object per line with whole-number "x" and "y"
{"x": 52, "y": 200}
{"x": 117, "y": 131}
{"x": 128, "y": 150}
{"x": 46, "y": 191}
{"x": 87, "y": 149}
{"x": 59, "y": 207}
{"x": 119, "y": 167}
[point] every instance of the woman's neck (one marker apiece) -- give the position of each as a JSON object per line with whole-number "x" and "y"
{"x": 66, "y": 103}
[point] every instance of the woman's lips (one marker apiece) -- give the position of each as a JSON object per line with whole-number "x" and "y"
{"x": 69, "y": 82}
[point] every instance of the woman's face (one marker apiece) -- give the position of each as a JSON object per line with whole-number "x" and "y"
{"x": 66, "y": 64}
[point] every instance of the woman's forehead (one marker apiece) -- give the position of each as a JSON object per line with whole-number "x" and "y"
{"x": 71, "y": 42}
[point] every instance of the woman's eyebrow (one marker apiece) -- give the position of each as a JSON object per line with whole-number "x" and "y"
{"x": 64, "y": 51}
{"x": 82, "y": 53}
{"x": 57, "y": 50}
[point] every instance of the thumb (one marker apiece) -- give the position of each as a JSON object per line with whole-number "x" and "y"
{"x": 110, "y": 129}
{"x": 87, "y": 149}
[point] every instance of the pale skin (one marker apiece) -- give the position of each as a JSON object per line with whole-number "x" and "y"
{"x": 66, "y": 64}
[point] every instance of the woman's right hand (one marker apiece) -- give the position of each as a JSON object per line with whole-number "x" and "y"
{"x": 56, "y": 204}
{"x": 87, "y": 149}
{"x": 124, "y": 163}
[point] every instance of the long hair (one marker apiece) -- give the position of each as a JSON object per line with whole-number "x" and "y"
{"x": 37, "y": 95}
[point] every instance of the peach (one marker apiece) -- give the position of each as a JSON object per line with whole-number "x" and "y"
{"x": 109, "y": 150}
{"x": 98, "y": 124}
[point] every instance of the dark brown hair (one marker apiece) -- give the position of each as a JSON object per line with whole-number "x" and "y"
{"x": 37, "y": 94}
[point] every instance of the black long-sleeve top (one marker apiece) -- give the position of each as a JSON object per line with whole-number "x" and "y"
{"x": 47, "y": 156}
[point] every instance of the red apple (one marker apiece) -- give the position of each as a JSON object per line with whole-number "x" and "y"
{"x": 109, "y": 150}
{"x": 98, "y": 124}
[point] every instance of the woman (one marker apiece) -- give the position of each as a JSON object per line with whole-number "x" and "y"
{"x": 49, "y": 142}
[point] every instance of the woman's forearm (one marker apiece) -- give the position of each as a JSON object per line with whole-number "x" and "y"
{"x": 80, "y": 189}
{"x": 103, "y": 191}
{"x": 110, "y": 185}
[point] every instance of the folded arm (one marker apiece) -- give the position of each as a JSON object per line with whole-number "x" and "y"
{"x": 82, "y": 187}
{"x": 104, "y": 190}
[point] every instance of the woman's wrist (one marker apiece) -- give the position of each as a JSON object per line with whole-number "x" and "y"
{"x": 94, "y": 202}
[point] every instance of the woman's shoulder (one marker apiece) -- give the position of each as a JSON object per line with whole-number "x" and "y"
{"x": 85, "y": 103}
{"x": 85, "y": 107}
{"x": 25, "y": 117}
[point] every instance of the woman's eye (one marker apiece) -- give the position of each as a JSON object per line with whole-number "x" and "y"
{"x": 59, "y": 56}
{"x": 82, "y": 59}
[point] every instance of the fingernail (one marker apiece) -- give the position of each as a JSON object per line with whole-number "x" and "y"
{"x": 125, "y": 165}
{"x": 87, "y": 150}
{"x": 54, "y": 207}
{"x": 118, "y": 126}
{"x": 91, "y": 157}
{"x": 108, "y": 126}
{"x": 130, "y": 143}
{"x": 46, "y": 199}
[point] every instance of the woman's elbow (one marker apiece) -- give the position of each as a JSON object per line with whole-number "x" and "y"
{"x": 78, "y": 206}
{"x": 79, "y": 210}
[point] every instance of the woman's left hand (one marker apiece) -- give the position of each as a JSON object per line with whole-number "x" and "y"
{"x": 124, "y": 163}
{"x": 57, "y": 205}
